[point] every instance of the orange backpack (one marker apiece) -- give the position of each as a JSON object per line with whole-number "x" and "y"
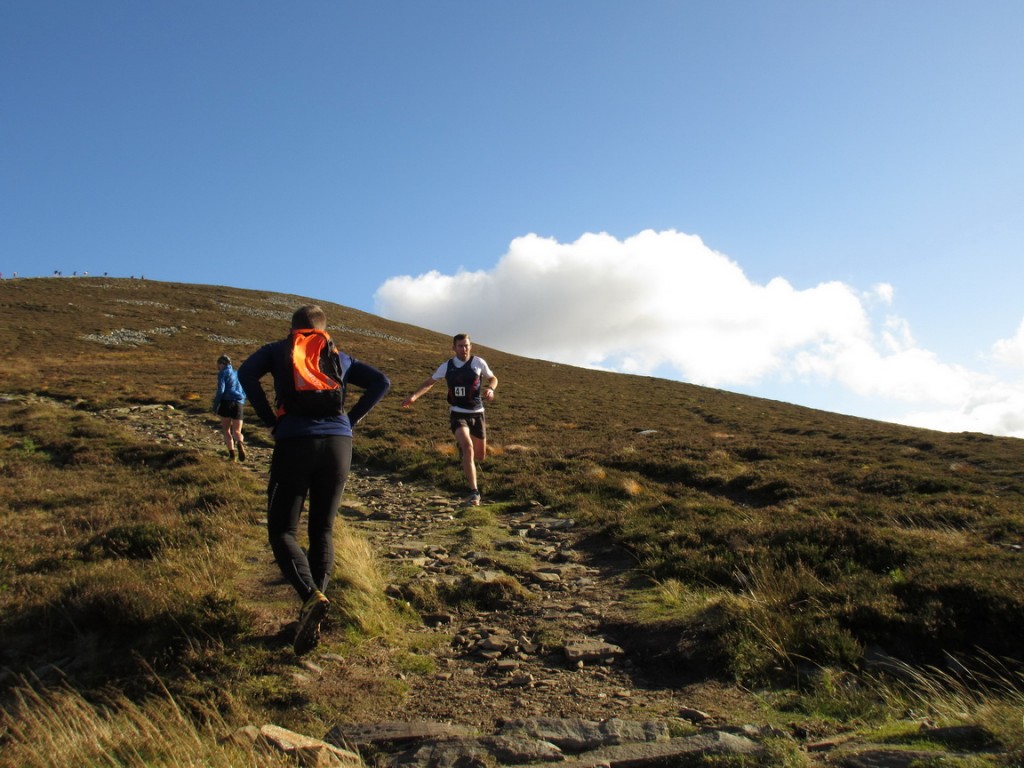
{"x": 318, "y": 388}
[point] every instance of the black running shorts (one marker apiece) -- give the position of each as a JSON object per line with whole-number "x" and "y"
{"x": 475, "y": 422}
{"x": 230, "y": 409}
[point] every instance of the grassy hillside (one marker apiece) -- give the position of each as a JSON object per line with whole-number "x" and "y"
{"x": 771, "y": 541}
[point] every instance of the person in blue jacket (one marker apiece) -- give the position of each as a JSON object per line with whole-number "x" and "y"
{"x": 312, "y": 456}
{"x": 228, "y": 403}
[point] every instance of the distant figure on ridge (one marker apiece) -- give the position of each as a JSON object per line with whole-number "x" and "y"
{"x": 228, "y": 403}
{"x": 465, "y": 373}
{"x": 312, "y": 450}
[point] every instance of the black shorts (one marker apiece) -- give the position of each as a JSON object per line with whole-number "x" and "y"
{"x": 230, "y": 409}
{"x": 475, "y": 422}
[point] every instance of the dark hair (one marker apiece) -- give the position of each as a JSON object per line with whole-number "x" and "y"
{"x": 223, "y": 360}
{"x": 309, "y": 316}
{"x": 459, "y": 337}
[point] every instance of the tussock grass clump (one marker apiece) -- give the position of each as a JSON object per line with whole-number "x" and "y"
{"x": 498, "y": 592}
{"x": 46, "y": 729}
{"x": 740, "y": 636}
{"x": 922, "y": 708}
{"x": 989, "y": 691}
{"x": 480, "y": 528}
{"x": 134, "y": 541}
{"x": 360, "y": 601}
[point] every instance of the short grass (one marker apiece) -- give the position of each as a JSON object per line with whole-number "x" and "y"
{"x": 779, "y": 547}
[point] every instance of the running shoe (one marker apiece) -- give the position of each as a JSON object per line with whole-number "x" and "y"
{"x": 241, "y": 452}
{"x": 473, "y": 500}
{"x": 307, "y": 635}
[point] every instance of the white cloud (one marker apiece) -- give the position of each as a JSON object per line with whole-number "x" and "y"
{"x": 995, "y": 409}
{"x": 884, "y": 292}
{"x": 1011, "y": 351}
{"x": 664, "y": 302}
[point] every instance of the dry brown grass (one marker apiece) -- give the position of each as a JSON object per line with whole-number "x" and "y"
{"x": 56, "y": 728}
{"x": 818, "y": 536}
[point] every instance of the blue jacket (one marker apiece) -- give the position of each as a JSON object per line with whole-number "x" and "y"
{"x": 275, "y": 359}
{"x": 228, "y": 387}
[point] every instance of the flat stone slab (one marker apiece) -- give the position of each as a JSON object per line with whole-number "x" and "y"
{"x": 592, "y": 650}
{"x": 395, "y": 733}
{"x": 571, "y": 735}
{"x": 307, "y": 750}
{"x": 665, "y": 753}
{"x": 486, "y": 750}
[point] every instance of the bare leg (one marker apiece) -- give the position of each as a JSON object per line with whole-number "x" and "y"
{"x": 226, "y": 430}
{"x": 479, "y": 449}
{"x": 466, "y": 446}
{"x": 236, "y": 434}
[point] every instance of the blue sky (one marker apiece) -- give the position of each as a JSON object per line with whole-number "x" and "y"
{"x": 816, "y": 202}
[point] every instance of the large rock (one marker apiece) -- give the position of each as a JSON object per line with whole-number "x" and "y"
{"x": 685, "y": 750}
{"x": 307, "y": 751}
{"x": 592, "y": 650}
{"x": 582, "y": 735}
{"x": 483, "y": 752}
{"x": 394, "y": 734}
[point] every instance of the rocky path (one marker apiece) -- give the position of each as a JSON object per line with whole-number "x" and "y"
{"x": 541, "y": 650}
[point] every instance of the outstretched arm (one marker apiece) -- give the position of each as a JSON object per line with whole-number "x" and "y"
{"x": 423, "y": 389}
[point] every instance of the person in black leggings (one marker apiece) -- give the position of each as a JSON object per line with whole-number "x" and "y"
{"x": 312, "y": 457}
